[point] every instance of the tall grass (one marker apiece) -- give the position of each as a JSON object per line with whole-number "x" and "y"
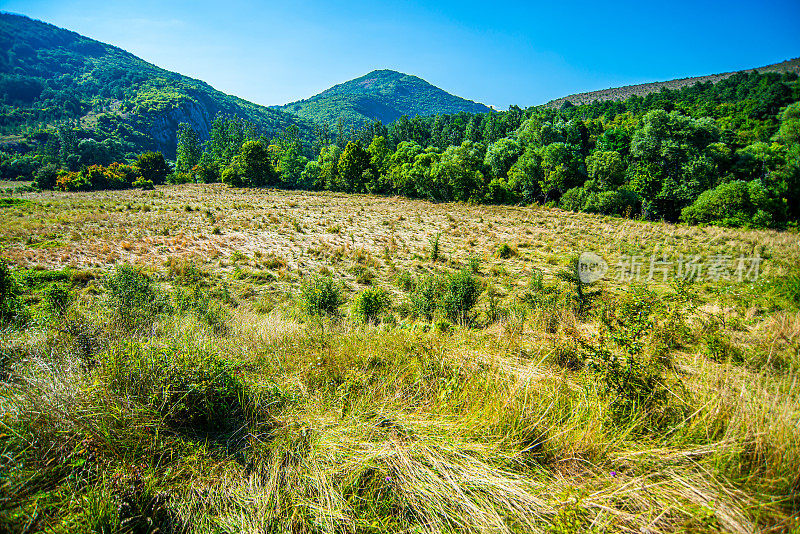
{"x": 616, "y": 419}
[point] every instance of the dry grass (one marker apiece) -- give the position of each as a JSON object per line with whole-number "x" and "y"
{"x": 397, "y": 427}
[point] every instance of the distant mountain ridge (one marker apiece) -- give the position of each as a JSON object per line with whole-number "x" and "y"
{"x": 383, "y": 95}
{"x": 49, "y": 74}
{"x": 642, "y": 89}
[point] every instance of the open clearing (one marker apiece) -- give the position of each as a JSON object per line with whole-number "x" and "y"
{"x": 513, "y": 422}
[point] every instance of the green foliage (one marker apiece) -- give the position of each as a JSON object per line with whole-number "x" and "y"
{"x": 351, "y": 168}
{"x": 188, "y": 151}
{"x": 46, "y": 176}
{"x": 581, "y": 297}
{"x": 192, "y": 390}
{"x": 736, "y": 203}
{"x": 197, "y": 300}
{"x": 504, "y": 251}
{"x": 58, "y": 298}
{"x": 152, "y": 166}
{"x": 370, "y": 304}
{"x": 635, "y": 381}
{"x": 255, "y": 166}
{"x": 322, "y": 295}
{"x": 425, "y": 295}
{"x": 12, "y": 308}
{"x": 133, "y": 298}
{"x": 405, "y": 280}
{"x": 383, "y": 94}
{"x": 461, "y": 292}
{"x": 434, "y": 246}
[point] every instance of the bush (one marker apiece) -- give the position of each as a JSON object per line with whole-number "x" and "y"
{"x": 58, "y": 298}
{"x": 621, "y": 202}
{"x": 425, "y": 295}
{"x": 152, "y": 166}
{"x": 322, "y": 295}
{"x": 12, "y": 309}
{"x": 461, "y": 292}
{"x": 736, "y": 204}
{"x": 637, "y": 384}
{"x": 146, "y": 185}
{"x": 505, "y": 251}
{"x": 404, "y": 280}
{"x": 46, "y": 176}
{"x": 434, "y": 243}
{"x": 205, "y": 309}
{"x": 132, "y": 296}
{"x": 370, "y": 304}
{"x": 192, "y": 390}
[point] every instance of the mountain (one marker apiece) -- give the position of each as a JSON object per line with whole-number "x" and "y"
{"x": 49, "y": 75}
{"x": 384, "y": 95}
{"x": 642, "y": 89}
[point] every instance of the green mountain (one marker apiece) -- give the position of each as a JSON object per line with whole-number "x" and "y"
{"x": 384, "y": 95}
{"x": 51, "y": 76}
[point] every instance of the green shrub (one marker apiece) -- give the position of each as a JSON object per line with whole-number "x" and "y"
{"x": 581, "y": 297}
{"x": 505, "y": 251}
{"x": 461, "y": 292}
{"x": 322, "y": 295}
{"x": 425, "y": 295}
{"x": 146, "y": 185}
{"x": 192, "y": 390}
{"x": 370, "y": 304}
{"x": 636, "y": 384}
{"x": 207, "y": 310}
{"x": 434, "y": 243}
{"x": 736, "y": 203}
{"x": 12, "y": 309}
{"x": 58, "y": 298}
{"x": 619, "y": 202}
{"x": 404, "y": 280}
{"x": 133, "y": 297}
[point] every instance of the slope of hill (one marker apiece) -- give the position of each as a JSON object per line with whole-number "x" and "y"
{"x": 384, "y": 95}
{"x": 49, "y": 75}
{"x": 642, "y": 89}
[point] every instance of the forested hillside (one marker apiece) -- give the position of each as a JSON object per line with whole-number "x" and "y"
{"x": 115, "y": 102}
{"x": 724, "y": 153}
{"x": 383, "y": 95}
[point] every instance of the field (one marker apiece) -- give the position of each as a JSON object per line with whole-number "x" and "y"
{"x": 205, "y": 359}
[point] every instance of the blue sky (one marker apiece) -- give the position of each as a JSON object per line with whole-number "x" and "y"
{"x": 499, "y": 53}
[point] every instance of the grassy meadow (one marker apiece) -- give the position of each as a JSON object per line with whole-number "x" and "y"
{"x": 199, "y": 358}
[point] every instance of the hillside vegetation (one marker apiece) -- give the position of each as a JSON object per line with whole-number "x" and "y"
{"x": 644, "y": 89}
{"x": 51, "y": 76}
{"x": 204, "y": 359}
{"x": 381, "y": 95}
{"x": 725, "y": 153}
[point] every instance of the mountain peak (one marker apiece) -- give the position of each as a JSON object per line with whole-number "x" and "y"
{"x": 381, "y": 94}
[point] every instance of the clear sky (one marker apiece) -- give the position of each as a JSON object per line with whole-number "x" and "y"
{"x": 495, "y": 52}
